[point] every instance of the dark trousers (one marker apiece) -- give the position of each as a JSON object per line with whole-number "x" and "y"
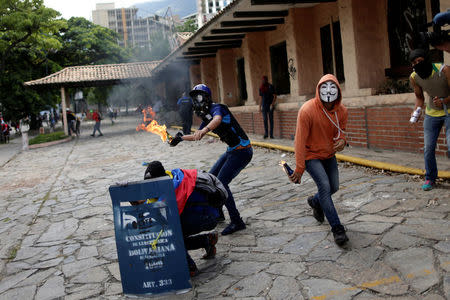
{"x": 97, "y": 128}
{"x": 268, "y": 114}
{"x": 192, "y": 223}
{"x": 229, "y": 165}
{"x": 186, "y": 118}
{"x": 71, "y": 127}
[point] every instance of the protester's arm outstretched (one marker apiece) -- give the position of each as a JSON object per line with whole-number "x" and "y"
{"x": 199, "y": 134}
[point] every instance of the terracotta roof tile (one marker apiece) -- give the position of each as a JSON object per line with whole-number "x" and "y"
{"x": 93, "y": 75}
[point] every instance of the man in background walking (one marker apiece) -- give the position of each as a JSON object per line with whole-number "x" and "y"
{"x": 98, "y": 119}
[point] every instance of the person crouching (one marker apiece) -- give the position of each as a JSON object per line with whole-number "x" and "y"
{"x": 196, "y": 214}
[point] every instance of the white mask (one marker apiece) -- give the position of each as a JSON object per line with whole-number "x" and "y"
{"x": 328, "y": 91}
{"x": 199, "y": 98}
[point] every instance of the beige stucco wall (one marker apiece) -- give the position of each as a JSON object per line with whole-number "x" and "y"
{"x": 348, "y": 47}
{"x": 208, "y": 69}
{"x": 309, "y": 60}
{"x": 195, "y": 75}
{"x": 255, "y": 52}
{"x": 365, "y": 49}
{"x": 227, "y": 76}
{"x": 371, "y": 38}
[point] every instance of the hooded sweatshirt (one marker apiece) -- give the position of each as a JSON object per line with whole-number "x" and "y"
{"x": 318, "y": 128}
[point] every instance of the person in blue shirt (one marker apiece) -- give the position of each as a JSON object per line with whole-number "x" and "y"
{"x": 218, "y": 119}
{"x": 185, "y": 110}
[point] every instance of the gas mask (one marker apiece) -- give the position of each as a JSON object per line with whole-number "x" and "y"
{"x": 423, "y": 69}
{"x": 328, "y": 91}
{"x": 201, "y": 103}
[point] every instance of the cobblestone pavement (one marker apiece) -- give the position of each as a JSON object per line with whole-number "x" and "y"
{"x": 57, "y": 235}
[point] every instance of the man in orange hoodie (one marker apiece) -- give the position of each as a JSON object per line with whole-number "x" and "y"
{"x": 320, "y": 133}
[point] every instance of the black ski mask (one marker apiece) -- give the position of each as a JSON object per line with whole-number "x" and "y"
{"x": 423, "y": 69}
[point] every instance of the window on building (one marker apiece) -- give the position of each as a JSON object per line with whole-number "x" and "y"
{"x": 405, "y": 17}
{"x": 242, "y": 83}
{"x": 330, "y": 39}
{"x": 210, "y": 10}
{"x": 279, "y": 66}
{"x": 224, "y": 3}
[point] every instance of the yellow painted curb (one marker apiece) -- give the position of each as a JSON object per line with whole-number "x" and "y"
{"x": 355, "y": 160}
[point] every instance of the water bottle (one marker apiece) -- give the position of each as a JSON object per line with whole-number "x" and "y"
{"x": 415, "y": 115}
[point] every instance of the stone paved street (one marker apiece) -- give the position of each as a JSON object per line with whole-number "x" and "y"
{"x": 57, "y": 234}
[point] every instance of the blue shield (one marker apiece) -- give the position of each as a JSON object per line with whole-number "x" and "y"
{"x": 149, "y": 240}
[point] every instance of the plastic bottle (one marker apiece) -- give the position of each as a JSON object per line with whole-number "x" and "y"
{"x": 416, "y": 115}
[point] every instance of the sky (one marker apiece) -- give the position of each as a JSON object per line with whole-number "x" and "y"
{"x": 84, "y": 8}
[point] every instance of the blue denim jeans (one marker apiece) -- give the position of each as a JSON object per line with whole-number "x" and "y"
{"x": 431, "y": 128}
{"x": 97, "y": 128}
{"x": 268, "y": 114}
{"x": 326, "y": 176}
{"x": 192, "y": 223}
{"x": 229, "y": 165}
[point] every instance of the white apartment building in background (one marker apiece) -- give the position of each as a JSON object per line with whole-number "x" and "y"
{"x": 133, "y": 31}
{"x": 207, "y": 9}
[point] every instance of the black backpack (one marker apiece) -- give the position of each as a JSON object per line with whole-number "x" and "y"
{"x": 211, "y": 187}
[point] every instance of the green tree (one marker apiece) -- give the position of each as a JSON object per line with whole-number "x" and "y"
{"x": 85, "y": 43}
{"x": 188, "y": 26}
{"x": 98, "y": 96}
{"x": 28, "y": 33}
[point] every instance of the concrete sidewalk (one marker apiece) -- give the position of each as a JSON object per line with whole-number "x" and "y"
{"x": 405, "y": 159}
{"x": 10, "y": 150}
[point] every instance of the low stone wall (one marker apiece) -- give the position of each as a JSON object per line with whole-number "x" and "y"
{"x": 376, "y": 122}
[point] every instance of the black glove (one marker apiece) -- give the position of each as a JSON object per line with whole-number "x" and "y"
{"x": 176, "y": 139}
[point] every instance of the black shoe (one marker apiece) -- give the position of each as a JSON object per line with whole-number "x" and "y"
{"x": 193, "y": 270}
{"x": 265, "y": 136}
{"x": 211, "y": 250}
{"x": 101, "y": 134}
{"x": 233, "y": 227}
{"x": 271, "y": 137}
{"x": 339, "y": 235}
{"x": 317, "y": 211}
{"x": 93, "y": 135}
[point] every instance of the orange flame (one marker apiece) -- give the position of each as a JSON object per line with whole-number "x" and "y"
{"x": 153, "y": 126}
{"x": 151, "y": 114}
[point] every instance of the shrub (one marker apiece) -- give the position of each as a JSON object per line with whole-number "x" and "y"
{"x": 47, "y": 137}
